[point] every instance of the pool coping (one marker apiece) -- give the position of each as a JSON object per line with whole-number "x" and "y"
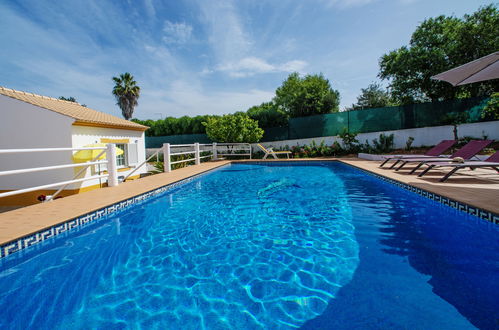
{"x": 24, "y": 241}
{"x": 429, "y": 192}
{"x": 30, "y": 239}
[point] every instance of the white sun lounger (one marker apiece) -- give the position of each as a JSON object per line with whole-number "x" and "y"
{"x": 270, "y": 152}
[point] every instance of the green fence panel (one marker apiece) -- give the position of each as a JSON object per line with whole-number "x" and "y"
{"x": 157, "y": 141}
{"x": 316, "y": 126}
{"x": 435, "y": 113}
{"x": 306, "y": 127}
{"x": 275, "y": 134}
{"x": 335, "y": 123}
{"x": 357, "y": 121}
{"x": 374, "y": 120}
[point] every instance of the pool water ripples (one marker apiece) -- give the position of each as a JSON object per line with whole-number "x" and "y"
{"x": 243, "y": 247}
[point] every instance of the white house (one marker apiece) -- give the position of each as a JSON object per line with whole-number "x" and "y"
{"x": 33, "y": 121}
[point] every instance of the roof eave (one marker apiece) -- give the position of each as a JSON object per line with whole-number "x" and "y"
{"x": 115, "y": 126}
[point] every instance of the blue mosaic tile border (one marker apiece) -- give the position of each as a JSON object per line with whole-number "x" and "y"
{"x": 478, "y": 212}
{"x": 86, "y": 219}
{"x": 463, "y": 207}
{"x": 22, "y": 243}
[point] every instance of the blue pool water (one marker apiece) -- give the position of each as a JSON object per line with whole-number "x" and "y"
{"x": 322, "y": 246}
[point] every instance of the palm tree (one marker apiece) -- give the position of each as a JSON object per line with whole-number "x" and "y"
{"x": 127, "y": 93}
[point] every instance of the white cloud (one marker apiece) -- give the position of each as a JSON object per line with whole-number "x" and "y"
{"x": 226, "y": 35}
{"x": 250, "y": 66}
{"x": 233, "y": 46}
{"x": 246, "y": 66}
{"x": 176, "y": 33}
{"x": 184, "y": 97}
{"x": 149, "y": 7}
{"x": 293, "y": 66}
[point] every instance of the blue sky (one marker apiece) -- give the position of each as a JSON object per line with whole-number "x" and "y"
{"x": 206, "y": 56}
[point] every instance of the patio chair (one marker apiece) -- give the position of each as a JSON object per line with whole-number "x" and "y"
{"x": 492, "y": 162}
{"x": 270, "y": 152}
{"x": 436, "y": 151}
{"x": 466, "y": 152}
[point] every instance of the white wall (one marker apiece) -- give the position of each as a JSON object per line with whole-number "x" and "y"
{"x": 83, "y": 135}
{"x": 23, "y": 125}
{"x": 425, "y": 136}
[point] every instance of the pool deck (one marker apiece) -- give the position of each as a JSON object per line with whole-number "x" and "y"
{"x": 479, "y": 188}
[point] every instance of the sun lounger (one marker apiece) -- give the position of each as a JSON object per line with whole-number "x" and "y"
{"x": 270, "y": 152}
{"x": 492, "y": 162}
{"x": 436, "y": 151}
{"x": 466, "y": 152}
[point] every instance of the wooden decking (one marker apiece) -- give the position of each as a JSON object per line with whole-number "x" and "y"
{"x": 479, "y": 188}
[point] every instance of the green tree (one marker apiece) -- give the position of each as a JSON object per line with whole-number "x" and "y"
{"x": 310, "y": 95}
{"x": 149, "y": 123}
{"x": 70, "y": 99}
{"x": 439, "y": 44}
{"x": 374, "y": 96}
{"x": 491, "y": 109}
{"x": 236, "y": 127}
{"x": 126, "y": 93}
{"x": 175, "y": 126}
{"x": 268, "y": 115}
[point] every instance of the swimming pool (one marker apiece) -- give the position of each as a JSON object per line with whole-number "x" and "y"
{"x": 316, "y": 245}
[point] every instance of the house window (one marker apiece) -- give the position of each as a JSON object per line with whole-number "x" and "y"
{"x": 120, "y": 159}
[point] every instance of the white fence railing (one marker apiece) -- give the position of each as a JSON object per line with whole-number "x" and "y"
{"x": 112, "y": 175}
{"x": 197, "y": 153}
{"x": 212, "y": 151}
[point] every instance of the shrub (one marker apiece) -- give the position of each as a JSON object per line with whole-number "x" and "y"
{"x": 491, "y": 110}
{"x": 384, "y": 144}
{"x": 237, "y": 128}
{"x": 350, "y": 142}
{"x": 455, "y": 119}
{"x": 317, "y": 150}
{"x": 408, "y": 143}
{"x": 159, "y": 166}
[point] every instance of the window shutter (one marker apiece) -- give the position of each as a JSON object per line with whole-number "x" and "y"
{"x": 132, "y": 154}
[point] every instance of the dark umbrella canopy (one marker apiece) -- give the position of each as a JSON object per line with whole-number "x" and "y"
{"x": 484, "y": 68}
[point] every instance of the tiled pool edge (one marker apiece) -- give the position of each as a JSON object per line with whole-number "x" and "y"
{"x": 22, "y": 243}
{"x": 30, "y": 240}
{"x": 472, "y": 210}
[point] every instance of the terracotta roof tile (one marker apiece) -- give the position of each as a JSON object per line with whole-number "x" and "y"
{"x": 82, "y": 115}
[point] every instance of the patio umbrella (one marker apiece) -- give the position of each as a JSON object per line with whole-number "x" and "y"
{"x": 82, "y": 156}
{"x": 484, "y": 68}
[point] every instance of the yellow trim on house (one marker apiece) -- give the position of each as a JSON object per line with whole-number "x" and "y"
{"x": 134, "y": 177}
{"x": 121, "y": 169}
{"x": 81, "y": 123}
{"x": 123, "y": 141}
